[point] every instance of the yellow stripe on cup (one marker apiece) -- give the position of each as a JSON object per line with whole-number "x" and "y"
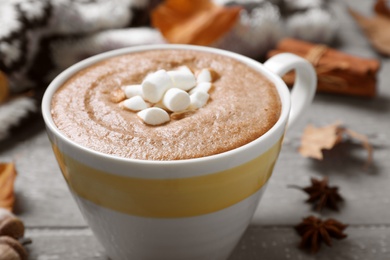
{"x": 168, "y": 198}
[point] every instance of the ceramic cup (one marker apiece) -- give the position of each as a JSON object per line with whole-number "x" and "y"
{"x": 177, "y": 210}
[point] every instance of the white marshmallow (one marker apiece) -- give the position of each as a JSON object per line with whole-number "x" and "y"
{"x": 184, "y": 68}
{"x": 204, "y": 76}
{"x": 135, "y": 103}
{"x": 154, "y": 116}
{"x": 203, "y": 86}
{"x": 199, "y": 99}
{"x": 182, "y": 79}
{"x": 133, "y": 90}
{"x": 176, "y": 100}
{"x": 155, "y": 85}
{"x": 160, "y": 105}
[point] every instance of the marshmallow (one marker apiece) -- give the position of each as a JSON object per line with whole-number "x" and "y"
{"x": 176, "y": 100}
{"x": 160, "y": 105}
{"x": 199, "y": 99}
{"x": 154, "y": 116}
{"x": 184, "y": 68}
{"x": 204, "y": 76}
{"x": 203, "y": 86}
{"x": 133, "y": 90}
{"x": 177, "y": 91}
{"x": 155, "y": 85}
{"x": 183, "y": 79}
{"x": 135, "y": 103}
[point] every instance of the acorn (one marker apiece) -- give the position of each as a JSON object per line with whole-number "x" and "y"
{"x": 10, "y": 225}
{"x": 11, "y": 249}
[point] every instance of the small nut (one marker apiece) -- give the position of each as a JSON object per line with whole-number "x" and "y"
{"x": 11, "y": 249}
{"x": 13, "y": 227}
{"x": 10, "y": 225}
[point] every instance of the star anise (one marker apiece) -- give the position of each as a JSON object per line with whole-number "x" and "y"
{"x": 314, "y": 231}
{"x": 322, "y": 195}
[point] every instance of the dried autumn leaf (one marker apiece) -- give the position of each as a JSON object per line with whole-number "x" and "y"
{"x": 365, "y": 143}
{"x": 198, "y": 22}
{"x": 7, "y": 179}
{"x": 316, "y": 139}
{"x": 377, "y": 27}
{"x": 4, "y": 90}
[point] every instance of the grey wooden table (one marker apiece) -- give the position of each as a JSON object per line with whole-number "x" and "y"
{"x": 59, "y": 232}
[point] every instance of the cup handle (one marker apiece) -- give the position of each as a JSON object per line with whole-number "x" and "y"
{"x": 305, "y": 83}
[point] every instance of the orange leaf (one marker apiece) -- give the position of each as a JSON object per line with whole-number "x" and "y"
{"x": 4, "y": 90}
{"x": 377, "y": 27}
{"x": 7, "y": 179}
{"x": 193, "y": 22}
{"x": 314, "y": 140}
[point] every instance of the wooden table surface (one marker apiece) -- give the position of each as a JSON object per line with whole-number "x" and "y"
{"x": 59, "y": 232}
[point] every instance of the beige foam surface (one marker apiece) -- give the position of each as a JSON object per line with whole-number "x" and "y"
{"x": 243, "y": 105}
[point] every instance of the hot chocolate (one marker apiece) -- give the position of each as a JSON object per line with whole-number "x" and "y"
{"x": 242, "y": 106}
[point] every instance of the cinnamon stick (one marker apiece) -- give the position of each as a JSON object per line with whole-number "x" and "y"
{"x": 337, "y": 72}
{"x": 4, "y": 90}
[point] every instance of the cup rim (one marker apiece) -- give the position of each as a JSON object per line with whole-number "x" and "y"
{"x": 58, "y": 81}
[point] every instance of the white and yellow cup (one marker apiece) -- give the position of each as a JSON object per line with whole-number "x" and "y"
{"x": 177, "y": 210}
